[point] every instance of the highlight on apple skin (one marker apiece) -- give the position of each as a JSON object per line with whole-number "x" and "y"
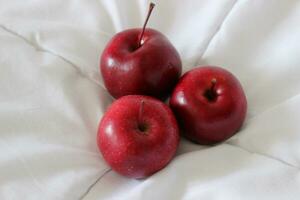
{"x": 210, "y": 104}
{"x": 138, "y": 136}
{"x": 140, "y": 61}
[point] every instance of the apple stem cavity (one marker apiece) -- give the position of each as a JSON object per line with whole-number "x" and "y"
{"x": 141, "y": 124}
{"x": 210, "y": 93}
{"x": 151, "y": 6}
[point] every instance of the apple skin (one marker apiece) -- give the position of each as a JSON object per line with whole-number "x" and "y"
{"x": 209, "y": 114}
{"x": 152, "y": 69}
{"x": 131, "y": 151}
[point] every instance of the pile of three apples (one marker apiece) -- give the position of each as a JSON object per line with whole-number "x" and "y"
{"x": 139, "y": 134}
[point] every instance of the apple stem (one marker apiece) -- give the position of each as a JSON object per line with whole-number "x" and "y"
{"x": 151, "y": 6}
{"x": 213, "y": 84}
{"x": 141, "y": 111}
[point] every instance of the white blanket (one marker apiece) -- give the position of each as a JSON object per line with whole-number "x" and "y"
{"x": 52, "y": 98}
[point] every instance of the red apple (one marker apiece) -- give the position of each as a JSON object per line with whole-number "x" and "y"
{"x": 140, "y": 61}
{"x": 210, "y": 104}
{"x": 138, "y": 136}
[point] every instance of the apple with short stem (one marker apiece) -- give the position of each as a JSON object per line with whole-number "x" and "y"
{"x": 138, "y": 136}
{"x": 210, "y": 104}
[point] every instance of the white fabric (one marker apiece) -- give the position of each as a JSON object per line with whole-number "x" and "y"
{"x": 52, "y": 98}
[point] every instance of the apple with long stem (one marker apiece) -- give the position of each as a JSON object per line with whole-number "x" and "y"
{"x": 138, "y": 136}
{"x": 210, "y": 104}
{"x": 140, "y": 61}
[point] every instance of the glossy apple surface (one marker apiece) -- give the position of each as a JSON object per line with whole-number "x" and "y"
{"x": 138, "y": 135}
{"x": 150, "y": 69}
{"x": 210, "y": 104}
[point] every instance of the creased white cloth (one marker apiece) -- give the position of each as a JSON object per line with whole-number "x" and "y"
{"x": 52, "y": 98}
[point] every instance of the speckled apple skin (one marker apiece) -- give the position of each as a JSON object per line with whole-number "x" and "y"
{"x": 152, "y": 69}
{"x": 204, "y": 121}
{"x": 129, "y": 151}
